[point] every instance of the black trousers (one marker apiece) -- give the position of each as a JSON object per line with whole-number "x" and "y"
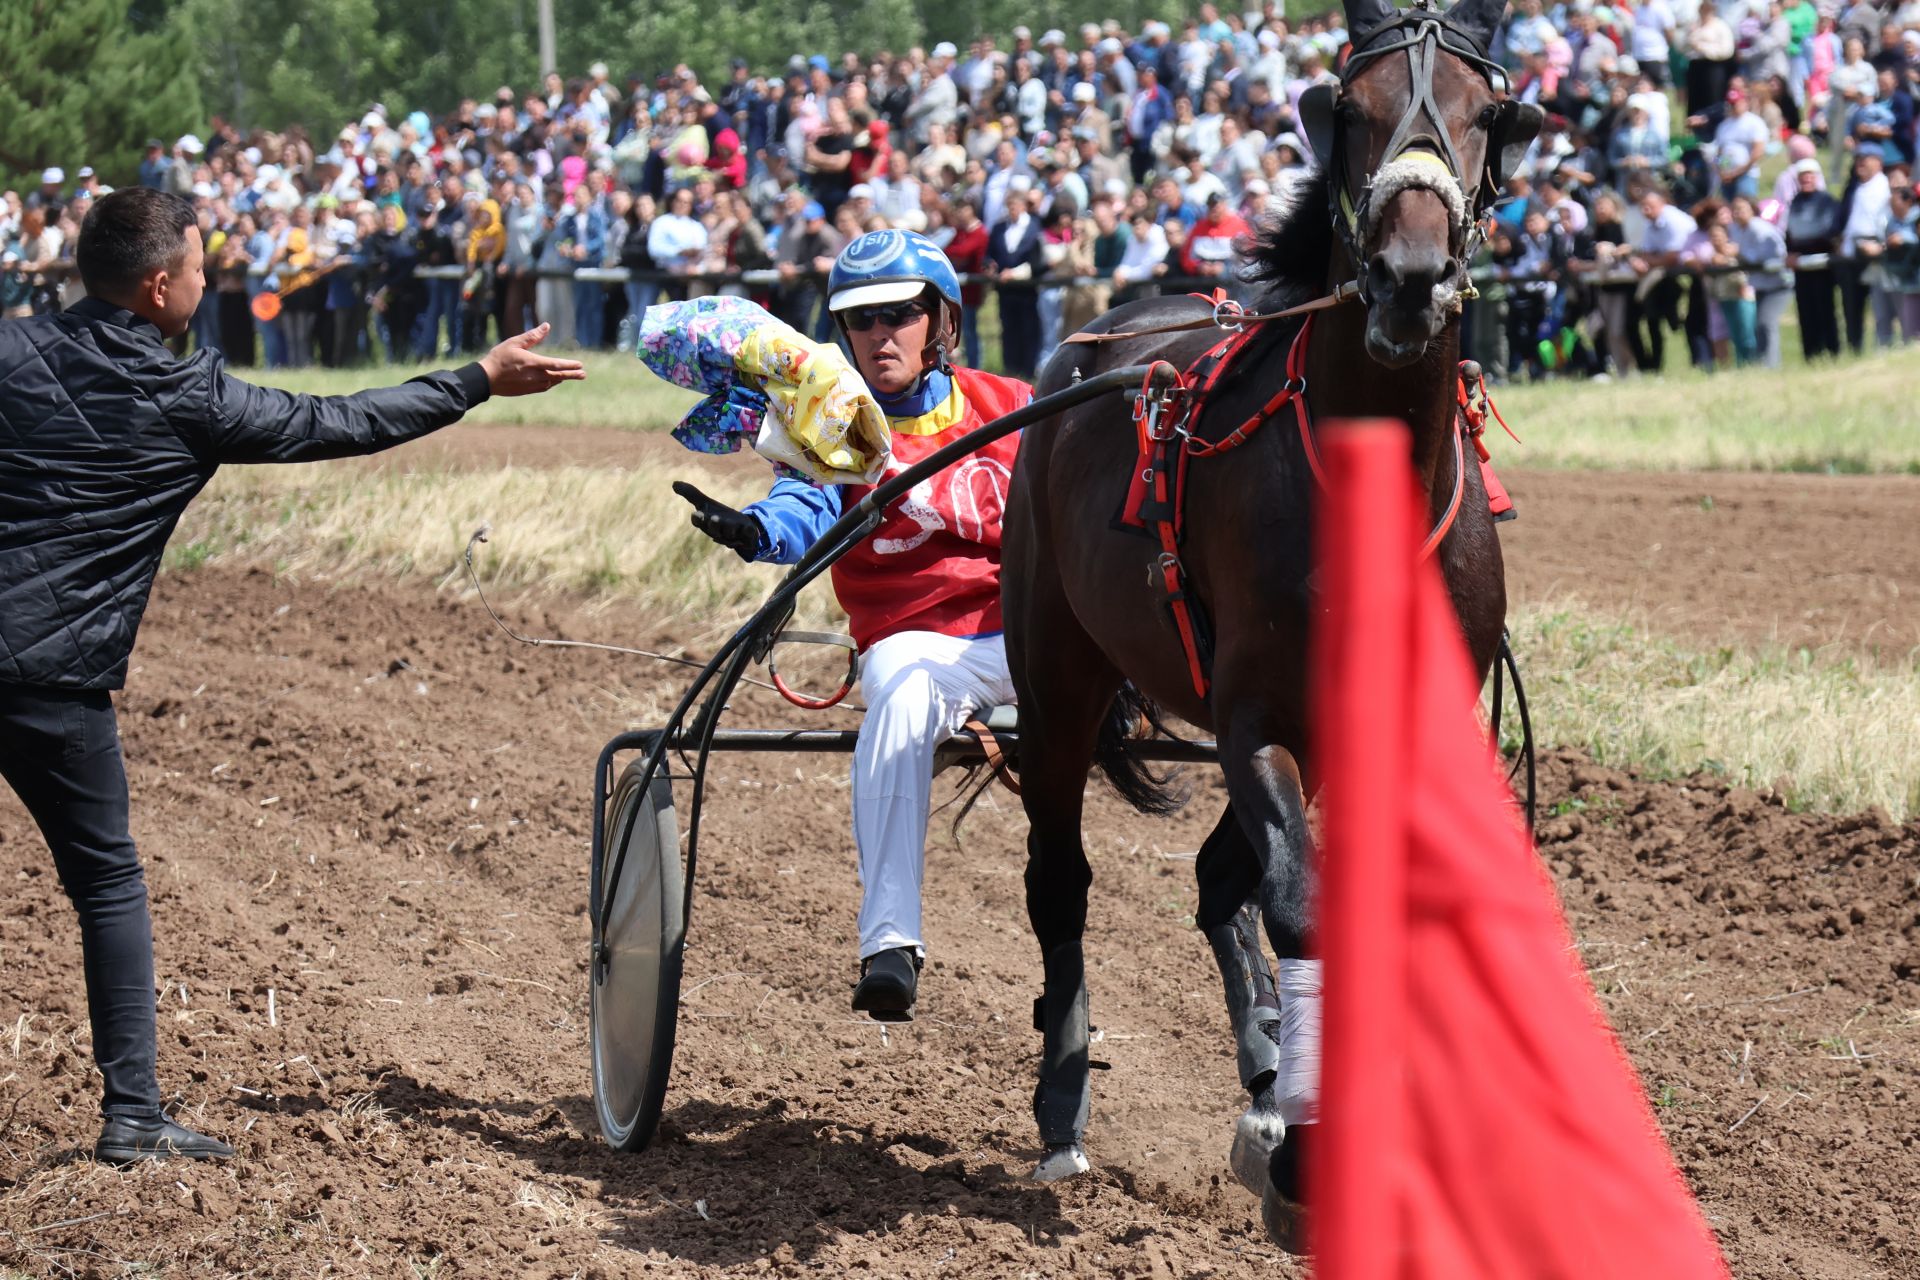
{"x": 1854, "y": 292}
{"x": 1813, "y": 298}
{"x": 1019, "y": 330}
{"x": 1650, "y": 318}
{"x": 1525, "y": 312}
{"x": 236, "y": 329}
{"x": 60, "y": 752}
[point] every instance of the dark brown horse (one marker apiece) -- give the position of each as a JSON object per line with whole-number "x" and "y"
{"x": 1414, "y": 142}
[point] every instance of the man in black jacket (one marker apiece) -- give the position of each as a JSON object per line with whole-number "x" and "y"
{"x": 105, "y": 437}
{"x": 1813, "y": 225}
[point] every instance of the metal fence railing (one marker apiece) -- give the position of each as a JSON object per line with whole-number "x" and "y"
{"x": 768, "y": 278}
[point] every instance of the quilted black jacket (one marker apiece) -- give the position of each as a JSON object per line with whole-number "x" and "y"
{"x": 105, "y": 436}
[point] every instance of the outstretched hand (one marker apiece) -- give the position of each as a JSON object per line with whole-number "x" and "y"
{"x": 514, "y": 368}
{"x": 732, "y": 529}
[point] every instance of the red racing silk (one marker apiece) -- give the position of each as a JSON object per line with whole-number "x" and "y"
{"x": 934, "y": 562}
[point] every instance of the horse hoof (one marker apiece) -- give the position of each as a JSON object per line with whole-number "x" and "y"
{"x": 1285, "y": 1221}
{"x": 1063, "y": 1160}
{"x": 1255, "y": 1137}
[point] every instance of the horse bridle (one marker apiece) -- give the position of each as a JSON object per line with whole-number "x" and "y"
{"x": 1420, "y": 138}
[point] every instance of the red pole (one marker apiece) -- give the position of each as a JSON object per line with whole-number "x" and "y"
{"x": 1368, "y": 532}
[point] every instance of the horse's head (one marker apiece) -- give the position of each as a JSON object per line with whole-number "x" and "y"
{"x": 1417, "y": 138}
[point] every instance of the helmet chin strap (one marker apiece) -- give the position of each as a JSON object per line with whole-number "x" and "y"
{"x": 943, "y": 335}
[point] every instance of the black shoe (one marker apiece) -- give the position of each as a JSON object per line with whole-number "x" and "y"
{"x": 124, "y": 1139}
{"x": 887, "y": 983}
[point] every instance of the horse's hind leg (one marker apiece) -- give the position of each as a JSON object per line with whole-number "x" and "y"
{"x": 1061, "y": 705}
{"x": 1229, "y": 878}
{"x": 1065, "y": 685}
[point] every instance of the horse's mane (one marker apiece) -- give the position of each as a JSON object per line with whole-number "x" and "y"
{"x": 1288, "y": 253}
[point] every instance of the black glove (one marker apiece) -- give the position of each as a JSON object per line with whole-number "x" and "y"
{"x": 729, "y": 528}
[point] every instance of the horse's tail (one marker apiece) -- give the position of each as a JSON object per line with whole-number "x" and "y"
{"x": 1134, "y": 715}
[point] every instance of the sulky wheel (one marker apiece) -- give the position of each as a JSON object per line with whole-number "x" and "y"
{"x": 635, "y": 976}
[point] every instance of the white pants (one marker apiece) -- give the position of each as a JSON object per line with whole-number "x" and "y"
{"x": 920, "y": 688}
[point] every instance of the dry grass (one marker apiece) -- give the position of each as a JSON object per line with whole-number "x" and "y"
{"x": 579, "y": 529}
{"x": 1830, "y": 730}
{"x": 559, "y": 1207}
{"x": 1853, "y": 416}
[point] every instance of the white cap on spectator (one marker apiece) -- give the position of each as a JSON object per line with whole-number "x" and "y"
{"x": 190, "y": 144}
{"x": 1626, "y": 65}
{"x": 1089, "y": 30}
{"x": 598, "y": 71}
{"x": 1117, "y": 188}
{"x": 1085, "y": 92}
{"x": 486, "y": 111}
{"x": 1290, "y": 139}
{"x": 860, "y": 191}
{"x": 1020, "y": 182}
{"x": 373, "y": 120}
{"x": 1053, "y": 36}
{"x": 1022, "y": 33}
{"x": 267, "y": 173}
{"x": 86, "y": 171}
{"x": 252, "y": 154}
{"x": 205, "y": 190}
{"x": 1258, "y": 187}
{"x": 1269, "y": 39}
{"x": 54, "y": 176}
{"x": 1110, "y": 45}
{"x": 945, "y": 49}
{"x": 1153, "y": 29}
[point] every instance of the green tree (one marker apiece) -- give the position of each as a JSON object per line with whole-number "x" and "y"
{"x": 274, "y": 63}
{"x": 88, "y": 82}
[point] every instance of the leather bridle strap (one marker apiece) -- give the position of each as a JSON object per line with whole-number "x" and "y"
{"x": 996, "y": 756}
{"x": 1423, "y": 39}
{"x": 1423, "y": 51}
{"x": 1226, "y": 318}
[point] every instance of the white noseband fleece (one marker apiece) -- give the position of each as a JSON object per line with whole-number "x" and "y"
{"x": 1422, "y": 170}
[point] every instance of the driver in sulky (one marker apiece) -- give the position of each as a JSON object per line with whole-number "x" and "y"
{"x": 922, "y": 594}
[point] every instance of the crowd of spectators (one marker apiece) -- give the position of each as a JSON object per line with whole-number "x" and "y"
{"x": 1058, "y": 171}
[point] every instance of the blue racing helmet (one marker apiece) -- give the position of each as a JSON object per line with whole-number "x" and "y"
{"x": 891, "y": 266}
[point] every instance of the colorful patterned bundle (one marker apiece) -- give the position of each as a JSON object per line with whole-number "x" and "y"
{"x": 797, "y": 403}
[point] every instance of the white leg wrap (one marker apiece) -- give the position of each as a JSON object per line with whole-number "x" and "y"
{"x": 1297, "y": 1087}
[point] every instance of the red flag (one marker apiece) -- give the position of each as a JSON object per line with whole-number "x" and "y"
{"x": 1479, "y": 1119}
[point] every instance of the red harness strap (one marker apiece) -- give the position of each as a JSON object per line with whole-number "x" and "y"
{"x": 1157, "y": 495}
{"x": 1475, "y": 403}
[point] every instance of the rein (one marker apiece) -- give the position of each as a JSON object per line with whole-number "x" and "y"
{"x": 1226, "y": 315}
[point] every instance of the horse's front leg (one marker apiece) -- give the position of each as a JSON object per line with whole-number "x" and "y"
{"x": 1229, "y": 876}
{"x": 1263, "y": 781}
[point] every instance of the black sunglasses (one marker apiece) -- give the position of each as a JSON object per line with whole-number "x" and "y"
{"x": 893, "y": 315}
